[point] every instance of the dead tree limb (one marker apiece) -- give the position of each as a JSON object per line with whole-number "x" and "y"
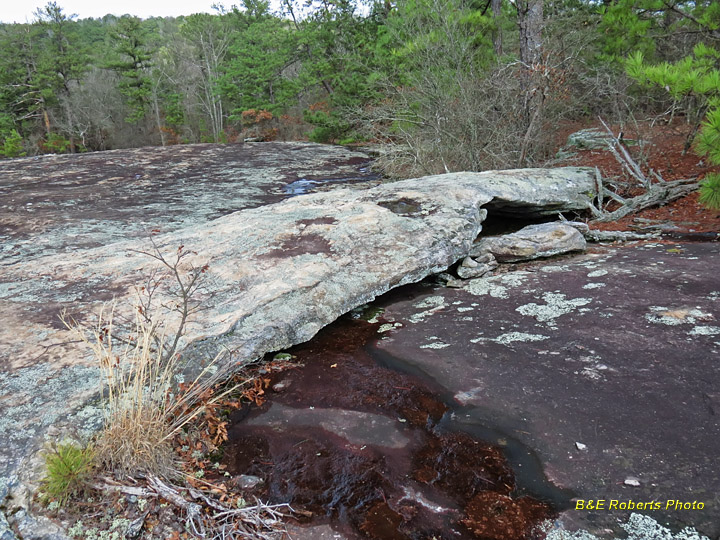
{"x": 600, "y": 188}
{"x": 594, "y": 235}
{"x": 655, "y": 195}
{"x": 627, "y": 162}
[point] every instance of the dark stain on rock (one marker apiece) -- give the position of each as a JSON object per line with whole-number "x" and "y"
{"x": 403, "y": 207}
{"x": 318, "y": 221}
{"x": 303, "y": 244}
{"x": 424, "y": 489}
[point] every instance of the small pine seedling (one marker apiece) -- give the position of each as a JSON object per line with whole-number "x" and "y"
{"x": 69, "y": 469}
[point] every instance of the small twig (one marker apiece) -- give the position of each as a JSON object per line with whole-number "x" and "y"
{"x": 193, "y": 510}
{"x": 657, "y": 175}
{"x": 127, "y": 490}
{"x": 617, "y": 198}
{"x": 186, "y": 290}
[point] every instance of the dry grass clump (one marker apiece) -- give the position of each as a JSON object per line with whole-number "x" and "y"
{"x": 146, "y": 407}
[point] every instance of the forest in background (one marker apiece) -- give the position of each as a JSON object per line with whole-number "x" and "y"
{"x": 446, "y": 84}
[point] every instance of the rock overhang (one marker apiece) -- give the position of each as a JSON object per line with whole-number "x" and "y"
{"x": 277, "y": 274}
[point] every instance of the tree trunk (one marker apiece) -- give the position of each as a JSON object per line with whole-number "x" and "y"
{"x": 496, "y": 7}
{"x": 530, "y": 23}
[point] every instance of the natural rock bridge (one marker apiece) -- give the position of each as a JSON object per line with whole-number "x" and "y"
{"x": 278, "y": 270}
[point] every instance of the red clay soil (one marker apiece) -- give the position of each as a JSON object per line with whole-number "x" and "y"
{"x": 664, "y": 155}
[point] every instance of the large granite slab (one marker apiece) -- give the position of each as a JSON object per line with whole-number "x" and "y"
{"x": 277, "y": 273}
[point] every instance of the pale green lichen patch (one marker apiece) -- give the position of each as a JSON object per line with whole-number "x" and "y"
{"x": 434, "y": 303}
{"x": 435, "y": 345}
{"x": 638, "y": 527}
{"x": 597, "y": 273}
{"x": 484, "y": 286}
{"x": 388, "y": 326}
{"x": 496, "y": 286}
{"x": 594, "y": 286}
{"x": 511, "y": 337}
{"x": 557, "y": 305}
{"x": 705, "y": 331}
{"x": 551, "y": 269}
{"x": 37, "y": 410}
{"x": 431, "y": 302}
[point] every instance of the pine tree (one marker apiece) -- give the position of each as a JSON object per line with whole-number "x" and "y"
{"x": 696, "y": 75}
{"x": 132, "y": 63}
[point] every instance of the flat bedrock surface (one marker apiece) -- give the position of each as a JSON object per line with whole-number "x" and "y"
{"x": 616, "y": 350}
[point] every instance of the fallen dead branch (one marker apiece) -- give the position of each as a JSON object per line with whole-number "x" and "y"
{"x": 210, "y": 518}
{"x": 658, "y": 191}
{"x": 656, "y": 195}
{"x": 621, "y": 154}
{"x": 617, "y": 236}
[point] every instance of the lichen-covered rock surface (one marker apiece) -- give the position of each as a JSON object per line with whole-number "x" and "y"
{"x": 63, "y": 203}
{"x": 73, "y": 231}
{"x": 603, "y": 366}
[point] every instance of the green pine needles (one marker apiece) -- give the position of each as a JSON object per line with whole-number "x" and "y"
{"x": 698, "y": 76}
{"x": 709, "y": 144}
{"x": 69, "y": 469}
{"x": 710, "y": 191}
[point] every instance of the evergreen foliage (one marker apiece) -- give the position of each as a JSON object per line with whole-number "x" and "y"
{"x": 132, "y": 60}
{"x": 440, "y": 79}
{"x": 693, "y": 80}
{"x": 69, "y": 469}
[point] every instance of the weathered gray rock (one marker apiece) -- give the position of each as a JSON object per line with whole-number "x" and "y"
{"x": 247, "y": 481}
{"x": 485, "y": 258}
{"x": 5, "y": 531}
{"x": 472, "y": 268}
{"x": 556, "y": 190}
{"x": 590, "y": 139}
{"x": 63, "y": 203}
{"x": 532, "y": 242}
{"x": 277, "y": 274}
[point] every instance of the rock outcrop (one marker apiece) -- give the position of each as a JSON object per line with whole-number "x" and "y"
{"x": 531, "y": 242}
{"x": 277, "y": 274}
{"x": 477, "y": 267}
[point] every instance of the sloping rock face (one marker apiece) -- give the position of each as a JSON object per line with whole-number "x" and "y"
{"x": 60, "y": 203}
{"x": 277, "y": 274}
